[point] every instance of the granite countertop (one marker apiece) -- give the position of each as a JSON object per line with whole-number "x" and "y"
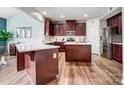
{"x": 117, "y": 43}
{"x": 48, "y": 42}
{"x": 34, "y": 47}
{"x": 53, "y": 41}
{"x": 74, "y": 43}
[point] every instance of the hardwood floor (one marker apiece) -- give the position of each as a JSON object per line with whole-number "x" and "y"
{"x": 100, "y": 72}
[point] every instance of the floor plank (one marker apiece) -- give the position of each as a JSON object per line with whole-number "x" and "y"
{"x": 100, "y": 72}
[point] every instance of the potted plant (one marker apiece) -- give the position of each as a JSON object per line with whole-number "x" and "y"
{"x": 4, "y": 36}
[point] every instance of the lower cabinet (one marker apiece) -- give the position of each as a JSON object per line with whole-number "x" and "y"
{"x": 117, "y": 52}
{"x": 40, "y": 65}
{"x": 12, "y": 50}
{"x": 62, "y": 46}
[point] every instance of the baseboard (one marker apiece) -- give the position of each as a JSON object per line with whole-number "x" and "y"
{"x": 122, "y": 81}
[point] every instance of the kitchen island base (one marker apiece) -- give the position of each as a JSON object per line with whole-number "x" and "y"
{"x": 41, "y": 65}
{"x": 78, "y": 53}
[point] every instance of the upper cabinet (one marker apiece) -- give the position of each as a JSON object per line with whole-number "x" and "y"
{"x": 59, "y": 29}
{"x": 56, "y": 29}
{"x": 62, "y": 29}
{"x": 80, "y": 29}
{"x": 70, "y": 25}
{"x": 49, "y": 29}
{"x": 115, "y": 21}
{"x": 120, "y": 23}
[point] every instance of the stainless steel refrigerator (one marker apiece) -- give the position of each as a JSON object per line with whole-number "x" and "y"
{"x": 105, "y": 43}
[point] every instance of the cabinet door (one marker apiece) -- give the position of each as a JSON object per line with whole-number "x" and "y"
{"x": 62, "y": 46}
{"x": 46, "y": 27}
{"x": 112, "y": 22}
{"x": 62, "y": 29}
{"x": 71, "y": 25}
{"x": 117, "y": 52}
{"x": 12, "y": 49}
{"x": 113, "y": 51}
{"x": 51, "y": 29}
{"x": 120, "y": 53}
{"x": 56, "y": 30}
{"x": 108, "y": 22}
{"x": 120, "y": 24}
{"x": 115, "y": 22}
{"x": 80, "y": 29}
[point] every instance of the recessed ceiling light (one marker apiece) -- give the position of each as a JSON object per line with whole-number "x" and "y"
{"x": 62, "y": 16}
{"x": 85, "y": 15}
{"x": 44, "y": 12}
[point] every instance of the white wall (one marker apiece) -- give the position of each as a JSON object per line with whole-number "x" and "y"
{"x": 123, "y": 42}
{"x": 93, "y": 34}
{"x": 22, "y": 20}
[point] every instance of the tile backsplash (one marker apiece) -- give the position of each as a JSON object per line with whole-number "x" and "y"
{"x": 63, "y": 38}
{"x": 116, "y": 38}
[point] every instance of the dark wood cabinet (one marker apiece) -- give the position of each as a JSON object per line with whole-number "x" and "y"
{"x": 56, "y": 29}
{"x": 49, "y": 28}
{"x": 12, "y": 50}
{"x": 59, "y": 29}
{"x": 117, "y": 52}
{"x": 120, "y": 23}
{"x": 62, "y": 29}
{"x": 43, "y": 69}
{"x": 80, "y": 29}
{"x": 115, "y": 21}
{"x": 78, "y": 53}
{"x": 70, "y": 25}
{"x": 62, "y": 46}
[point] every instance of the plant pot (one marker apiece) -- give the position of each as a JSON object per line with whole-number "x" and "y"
{"x": 3, "y": 62}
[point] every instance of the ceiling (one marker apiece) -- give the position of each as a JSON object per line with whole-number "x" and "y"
{"x": 7, "y": 12}
{"x": 72, "y": 13}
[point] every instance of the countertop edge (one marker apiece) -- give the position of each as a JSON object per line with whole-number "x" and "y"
{"x": 42, "y": 48}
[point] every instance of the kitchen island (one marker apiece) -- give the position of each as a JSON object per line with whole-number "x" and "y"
{"x": 77, "y": 52}
{"x": 39, "y": 61}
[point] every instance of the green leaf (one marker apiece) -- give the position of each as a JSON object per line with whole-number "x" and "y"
{"x": 5, "y": 35}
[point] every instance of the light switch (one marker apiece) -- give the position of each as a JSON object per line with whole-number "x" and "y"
{"x": 54, "y": 55}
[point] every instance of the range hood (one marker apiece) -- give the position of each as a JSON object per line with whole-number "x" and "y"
{"x": 70, "y": 33}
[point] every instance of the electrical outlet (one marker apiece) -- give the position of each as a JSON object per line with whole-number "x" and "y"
{"x": 54, "y": 55}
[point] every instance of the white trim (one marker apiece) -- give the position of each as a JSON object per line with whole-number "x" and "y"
{"x": 122, "y": 81}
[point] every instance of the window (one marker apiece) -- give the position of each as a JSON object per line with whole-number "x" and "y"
{"x": 28, "y": 32}
{"x": 18, "y": 32}
{"x": 24, "y": 32}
